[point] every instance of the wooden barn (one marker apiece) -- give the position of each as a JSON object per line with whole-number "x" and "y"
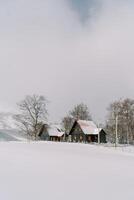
{"x": 52, "y": 132}
{"x": 87, "y": 131}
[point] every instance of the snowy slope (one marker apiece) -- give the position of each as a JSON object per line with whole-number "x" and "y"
{"x": 7, "y": 121}
{"x": 8, "y": 128}
{"x": 11, "y": 135}
{"x": 4, "y": 136}
{"x": 60, "y": 171}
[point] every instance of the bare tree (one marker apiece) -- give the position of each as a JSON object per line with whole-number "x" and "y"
{"x": 111, "y": 122}
{"x": 33, "y": 114}
{"x": 67, "y": 123}
{"x": 124, "y": 109}
{"x": 79, "y": 111}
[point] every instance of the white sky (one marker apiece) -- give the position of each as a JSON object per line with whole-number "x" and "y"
{"x": 46, "y": 49}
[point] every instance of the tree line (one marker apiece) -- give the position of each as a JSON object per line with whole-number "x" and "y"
{"x": 33, "y": 113}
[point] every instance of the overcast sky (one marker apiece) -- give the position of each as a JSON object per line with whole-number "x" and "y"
{"x": 71, "y": 51}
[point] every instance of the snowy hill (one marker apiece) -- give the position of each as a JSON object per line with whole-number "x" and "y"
{"x": 61, "y": 171}
{"x": 4, "y": 136}
{"x": 11, "y": 135}
{"x": 7, "y": 121}
{"x": 8, "y": 128}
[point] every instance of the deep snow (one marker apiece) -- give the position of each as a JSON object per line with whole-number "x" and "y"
{"x": 61, "y": 171}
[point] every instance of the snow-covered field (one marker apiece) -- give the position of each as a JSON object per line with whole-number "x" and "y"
{"x": 61, "y": 171}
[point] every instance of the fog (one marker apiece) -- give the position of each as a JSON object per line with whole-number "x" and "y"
{"x": 67, "y": 53}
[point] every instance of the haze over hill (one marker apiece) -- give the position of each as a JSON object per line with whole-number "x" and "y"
{"x": 7, "y": 121}
{"x": 9, "y": 130}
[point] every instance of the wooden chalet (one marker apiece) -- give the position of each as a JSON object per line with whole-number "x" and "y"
{"x": 52, "y": 132}
{"x": 87, "y": 131}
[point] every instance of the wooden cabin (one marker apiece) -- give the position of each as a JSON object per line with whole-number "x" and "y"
{"x": 87, "y": 131}
{"x": 52, "y": 132}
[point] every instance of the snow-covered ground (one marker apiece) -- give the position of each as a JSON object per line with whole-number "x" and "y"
{"x": 61, "y": 171}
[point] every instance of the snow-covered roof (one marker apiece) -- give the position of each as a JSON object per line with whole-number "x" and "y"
{"x": 55, "y": 130}
{"x": 88, "y": 127}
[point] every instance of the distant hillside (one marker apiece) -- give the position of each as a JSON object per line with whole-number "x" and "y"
{"x": 8, "y": 129}
{"x": 7, "y": 121}
{"x": 12, "y": 135}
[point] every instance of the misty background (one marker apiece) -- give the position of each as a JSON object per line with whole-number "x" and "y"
{"x": 70, "y": 51}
